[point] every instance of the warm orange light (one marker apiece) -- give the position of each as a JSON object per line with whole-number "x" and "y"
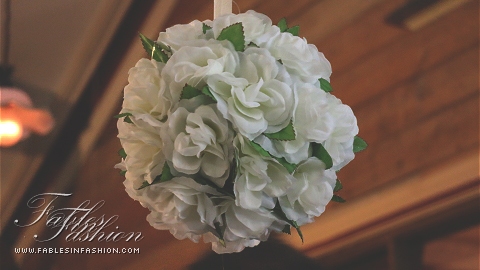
{"x": 10, "y": 133}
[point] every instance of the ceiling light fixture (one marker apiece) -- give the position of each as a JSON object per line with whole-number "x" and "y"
{"x": 17, "y": 116}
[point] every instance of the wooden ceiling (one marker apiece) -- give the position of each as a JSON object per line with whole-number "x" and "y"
{"x": 415, "y": 95}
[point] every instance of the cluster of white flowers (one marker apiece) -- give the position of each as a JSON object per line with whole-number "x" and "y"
{"x": 233, "y": 134}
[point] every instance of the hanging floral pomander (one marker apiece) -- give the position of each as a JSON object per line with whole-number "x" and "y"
{"x": 230, "y": 131}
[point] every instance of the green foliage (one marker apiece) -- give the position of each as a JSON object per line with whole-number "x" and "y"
{"x": 207, "y": 92}
{"x": 325, "y": 85}
{"x": 205, "y": 28}
{"x": 286, "y": 134}
{"x": 220, "y": 232}
{"x": 126, "y": 117}
{"x": 156, "y": 50}
{"x": 289, "y": 166}
{"x": 122, "y": 153}
{"x": 359, "y": 144}
{"x": 234, "y": 33}
{"x": 164, "y": 177}
{"x": 189, "y": 92}
{"x": 338, "y": 199}
{"x": 338, "y": 186}
{"x": 278, "y": 212}
{"x": 282, "y": 24}
{"x": 294, "y": 30}
{"x": 321, "y": 153}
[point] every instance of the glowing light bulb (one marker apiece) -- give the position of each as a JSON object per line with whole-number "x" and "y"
{"x": 10, "y": 133}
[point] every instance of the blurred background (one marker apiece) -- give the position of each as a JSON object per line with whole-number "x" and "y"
{"x": 408, "y": 68}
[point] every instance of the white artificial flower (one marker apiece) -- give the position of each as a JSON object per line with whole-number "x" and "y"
{"x": 254, "y": 24}
{"x": 259, "y": 180}
{"x": 193, "y": 65}
{"x": 181, "y": 35}
{"x": 144, "y": 94}
{"x": 265, "y": 106}
{"x": 312, "y": 122}
{"x": 199, "y": 141}
{"x": 301, "y": 59}
{"x": 182, "y": 206}
{"x": 340, "y": 144}
{"x": 143, "y": 146}
{"x": 243, "y": 227}
{"x": 309, "y": 193}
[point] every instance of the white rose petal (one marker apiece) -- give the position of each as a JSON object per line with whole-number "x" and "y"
{"x": 310, "y": 193}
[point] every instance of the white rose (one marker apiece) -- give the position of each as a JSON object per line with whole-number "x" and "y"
{"x": 312, "y": 122}
{"x": 257, "y": 63}
{"x": 182, "y": 206}
{"x": 340, "y": 143}
{"x": 181, "y": 35}
{"x": 258, "y": 180}
{"x": 143, "y": 146}
{"x": 144, "y": 94}
{"x": 199, "y": 141}
{"x": 192, "y": 65}
{"x": 259, "y": 107}
{"x": 243, "y": 227}
{"x": 300, "y": 58}
{"x": 310, "y": 193}
{"x": 254, "y": 24}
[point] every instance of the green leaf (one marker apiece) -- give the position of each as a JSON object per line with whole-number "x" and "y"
{"x": 286, "y": 229}
{"x": 359, "y": 144}
{"x": 325, "y": 85}
{"x": 205, "y": 28}
{"x": 251, "y": 44}
{"x": 234, "y": 33}
{"x": 282, "y": 24}
{"x": 155, "y": 50}
{"x": 321, "y": 153}
{"x": 289, "y": 166}
{"x": 189, "y": 92}
{"x": 207, "y": 182}
{"x": 277, "y": 210}
{"x": 220, "y": 231}
{"x": 207, "y": 92}
{"x": 338, "y": 186}
{"x": 286, "y": 134}
{"x": 338, "y": 199}
{"x": 126, "y": 117}
{"x": 122, "y": 153}
{"x": 122, "y": 173}
{"x": 294, "y": 30}
{"x": 122, "y": 115}
{"x": 164, "y": 177}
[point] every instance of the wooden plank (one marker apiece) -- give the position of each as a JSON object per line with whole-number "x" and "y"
{"x": 407, "y": 56}
{"x": 277, "y": 10}
{"x": 322, "y": 18}
{"x": 425, "y": 94}
{"x": 365, "y": 35}
{"x": 441, "y": 137}
{"x": 386, "y": 212}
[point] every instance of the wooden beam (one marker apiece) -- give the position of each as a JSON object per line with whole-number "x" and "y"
{"x": 406, "y": 57}
{"x": 322, "y": 18}
{"x": 399, "y": 205}
{"x": 423, "y": 96}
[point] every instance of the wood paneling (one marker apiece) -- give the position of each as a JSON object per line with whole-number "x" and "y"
{"x": 407, "y": 56}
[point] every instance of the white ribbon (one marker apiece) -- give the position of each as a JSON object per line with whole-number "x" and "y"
{"x": 221, "y": 7}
